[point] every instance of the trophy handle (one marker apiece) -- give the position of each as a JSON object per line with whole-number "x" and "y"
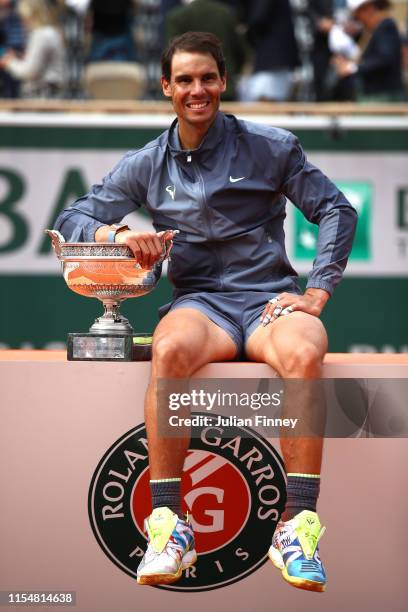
{"x": 167, "y": 241}
{"x": 57, "y": 240}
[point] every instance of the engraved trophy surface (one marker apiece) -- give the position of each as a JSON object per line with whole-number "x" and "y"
{"x": 110, "y": 273}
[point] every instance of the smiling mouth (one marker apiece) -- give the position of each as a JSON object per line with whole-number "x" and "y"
{"x": 197, "y": 105}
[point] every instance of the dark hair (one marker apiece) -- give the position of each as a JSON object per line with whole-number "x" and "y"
{"x": 193, "y": 42}
{"x": 382, "y": 5}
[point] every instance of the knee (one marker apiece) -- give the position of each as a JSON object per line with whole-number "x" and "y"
{"x": 171, "y": 358}
{"x": 304, "y": 361}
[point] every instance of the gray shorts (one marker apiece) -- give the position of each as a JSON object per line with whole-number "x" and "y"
{"x": 237, "y": 312}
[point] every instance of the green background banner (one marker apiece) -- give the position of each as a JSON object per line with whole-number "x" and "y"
{"x": 365, "y": 314}
{"x": 43, "y": 168}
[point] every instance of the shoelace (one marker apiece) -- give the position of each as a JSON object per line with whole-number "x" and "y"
{"x": 311, "y": 539}
{"x": 175, "y": 549}
{"x": 172, "y": 548}
{"x": 304, "y": 537}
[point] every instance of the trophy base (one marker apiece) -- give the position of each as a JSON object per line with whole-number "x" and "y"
{"x": 97, "y": 347}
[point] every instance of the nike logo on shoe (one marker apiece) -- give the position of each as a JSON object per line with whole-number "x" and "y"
{"x": 235, "y": 180}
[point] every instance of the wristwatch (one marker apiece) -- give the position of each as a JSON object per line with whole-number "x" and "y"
{"x": 115, "y": 229}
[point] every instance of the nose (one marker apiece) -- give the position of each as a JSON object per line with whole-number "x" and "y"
{"x": 197, "y": 87}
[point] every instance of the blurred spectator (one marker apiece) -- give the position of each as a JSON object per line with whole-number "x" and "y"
{"x": 379, "y": 71}
{"x": 79, "y": 6}
{"x": 271, "y": 34}
{"x": 12, "y": 38}
{"x": 112, "y": 35}
{"x": 405, "y": 62}
{"x": 341, "y": 44}
{"x": 42, "y": 67}
{"x": 322, "y": 19}
{"x": 165, "y": 7}
{"x": 214, "y": 17}
{"x": 72, "y": 13}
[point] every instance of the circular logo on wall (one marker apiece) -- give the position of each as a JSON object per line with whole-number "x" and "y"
{"x": 233, "y": 487}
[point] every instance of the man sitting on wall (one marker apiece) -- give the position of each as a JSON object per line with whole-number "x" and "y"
{"x": 223, "y": 183}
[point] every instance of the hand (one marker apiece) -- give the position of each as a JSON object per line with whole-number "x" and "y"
{"x": 147, "y": 247}
{"x": 343, "y": 66}
{"x": 353, "y": 28}
{"x": 325, "y": 24}
{"x": 6, "y": 58}
{"x": 311, "y": 302}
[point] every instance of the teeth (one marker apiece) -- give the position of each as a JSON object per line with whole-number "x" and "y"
{"x": 198, "y": 106}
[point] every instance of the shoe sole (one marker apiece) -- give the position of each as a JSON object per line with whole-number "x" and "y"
{"x": 300, "y": 583}
{"x": 151, "y": 579}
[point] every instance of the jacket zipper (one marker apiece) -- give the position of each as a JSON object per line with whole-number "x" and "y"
{"x": 203, "y": 205}
{"x": 206, "y": 213}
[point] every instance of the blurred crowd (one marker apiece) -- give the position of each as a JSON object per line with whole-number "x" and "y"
{"x": 276, "y": 50}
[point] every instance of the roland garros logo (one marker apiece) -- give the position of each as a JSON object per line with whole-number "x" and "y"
{"x": 233, "y": 488}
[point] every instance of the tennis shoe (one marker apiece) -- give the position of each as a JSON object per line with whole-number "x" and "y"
{"x": 295, "y": 552}
{"x": 170, "y": 548}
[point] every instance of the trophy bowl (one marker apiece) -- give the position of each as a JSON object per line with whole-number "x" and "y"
{"x": 110, "y": 273}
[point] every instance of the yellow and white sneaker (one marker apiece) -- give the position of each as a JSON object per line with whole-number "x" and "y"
{"x": 295, "y": 552}
{"x": 170, "y": 548}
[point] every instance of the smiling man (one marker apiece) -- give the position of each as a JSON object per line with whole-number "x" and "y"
{"x": 194, "y": 86}
{"x": 222, "y": 183}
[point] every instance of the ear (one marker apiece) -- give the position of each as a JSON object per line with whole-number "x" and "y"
{"x": 224, "y": 82}
{"x": 166, "y": 87}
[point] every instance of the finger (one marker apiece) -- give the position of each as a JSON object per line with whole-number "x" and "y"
{"x": 168, "y": 234}
{"x": 277, "y": 311}
{"x": 145, "y": 253}
{"x": 155, "y": 249}
{"x": 276, "y": 305}
{"x": 270, "y": 307}
{"x": 264, "y": 313}
{"x": 135, "y": 248}
{"x": 287, "y": 310}
{"x": 158, "y": 245}
{"x": 279, "y": 303}
{"x": 166, "y": 241}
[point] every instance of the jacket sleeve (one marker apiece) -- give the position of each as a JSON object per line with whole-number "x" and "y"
{"x": 326, "y": 206}
{"x": 34, "y": 62}
{"x": 383, "y": 52}
{"x": 119, "y": 194}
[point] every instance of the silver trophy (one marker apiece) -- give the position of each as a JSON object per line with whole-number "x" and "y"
{"x": 111, "y": 273}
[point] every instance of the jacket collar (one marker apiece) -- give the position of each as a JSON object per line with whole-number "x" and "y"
{"x": 207, "y": 145}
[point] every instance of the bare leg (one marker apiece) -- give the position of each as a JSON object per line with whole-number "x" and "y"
{"x": 294, "y": 345}
{"x": 184, "y": 340}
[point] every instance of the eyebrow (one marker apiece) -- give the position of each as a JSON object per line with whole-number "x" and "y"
{"x": 180, "y": 77}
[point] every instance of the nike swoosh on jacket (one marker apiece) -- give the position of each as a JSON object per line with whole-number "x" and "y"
{"x": 231, "y": 233}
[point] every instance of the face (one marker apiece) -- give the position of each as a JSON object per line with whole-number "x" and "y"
{"x": 195, "y": 88}
{"x": 363, "y": 14}
{"x": 5, "y": 8}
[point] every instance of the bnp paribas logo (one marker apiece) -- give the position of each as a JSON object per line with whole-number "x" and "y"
{"x": 360, "y": 195}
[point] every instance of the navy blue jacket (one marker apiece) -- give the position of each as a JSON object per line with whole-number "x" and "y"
{"x": 380, "y": 67}
{"x": 228, "y": 200}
